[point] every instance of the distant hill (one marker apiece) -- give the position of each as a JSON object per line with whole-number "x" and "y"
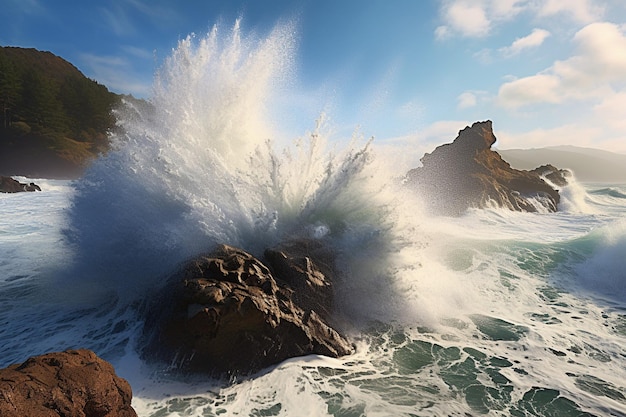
{"x": 588, "y": 165}
{"x": 53, "y": 119}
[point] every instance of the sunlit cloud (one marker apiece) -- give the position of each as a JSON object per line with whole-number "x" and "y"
{"x": 477, "y": 18}
{"x": 598, "y": 68}
{"x": 533, "y": 40}
{"x": 469, "y": 18}
{"x": 582, "y": 11}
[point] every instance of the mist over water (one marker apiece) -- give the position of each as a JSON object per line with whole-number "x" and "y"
{"x": 198, "y": 166}
{"x": 496, "y": 311}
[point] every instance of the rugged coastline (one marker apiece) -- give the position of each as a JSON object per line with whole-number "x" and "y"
{"x": 11, "y": 185}
{"x": 467, "y": 173}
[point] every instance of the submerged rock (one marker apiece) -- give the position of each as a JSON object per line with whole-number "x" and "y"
{"x": 74, "y": 383}
{"x": 227, "y": 313}
{"x": 468, "y": 173}
{"x": 10, "y": 185}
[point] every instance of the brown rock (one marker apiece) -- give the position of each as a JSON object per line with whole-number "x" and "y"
{"x": 467, "y": 173}
{"x": 226, "y": 313}
{"x": 556, "y": 176}
{"x": 74, "y": 383}
{"x": 306, "y": 266}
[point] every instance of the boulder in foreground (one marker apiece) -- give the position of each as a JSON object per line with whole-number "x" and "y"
{"x": 227, "y": 313}
{"x": 467, "y": 173}
{"x": 74, "y": 383}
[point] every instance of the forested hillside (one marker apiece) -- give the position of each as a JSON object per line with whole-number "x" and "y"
{"x": 53, "y": 119}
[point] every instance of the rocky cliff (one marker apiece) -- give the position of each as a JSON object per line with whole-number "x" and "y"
{"x": 11, "y": 185}
{"x": 468, "y": 173}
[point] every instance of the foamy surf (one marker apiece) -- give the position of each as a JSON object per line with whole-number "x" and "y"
{"x": 494, "y": 312}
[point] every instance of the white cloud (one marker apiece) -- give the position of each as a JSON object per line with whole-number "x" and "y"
{"x": 466, "y": 100}
{"x": 581, "y": 11}
{"x": 477, "y": 18}
{"x": 507, "y": 9}
{"x": 535, "y": 89}
{"x": 598, "y": 69}
{"x": 533, "y": 40}
{"x": 469, "y": 18}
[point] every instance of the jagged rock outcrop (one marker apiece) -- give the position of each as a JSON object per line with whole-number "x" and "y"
{"x": 468, "y": 173}
{"x": 74, "y": 383}
{"x": 10, "y": 185}
{"x": 558, "y": 177}
{"x": 227, "y": 313}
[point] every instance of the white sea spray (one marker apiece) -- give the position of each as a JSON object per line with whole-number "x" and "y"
{"x": 494, "y": 312}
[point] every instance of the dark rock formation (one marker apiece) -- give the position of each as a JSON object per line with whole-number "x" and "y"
{"x": 228, "y": 313}
{"x": 553, "y": 174}
{"x": 467, "y": 173}
{"x": 310, "y": 281}
{"x": 74, "y": 383}
{"x": 10, "y": 185}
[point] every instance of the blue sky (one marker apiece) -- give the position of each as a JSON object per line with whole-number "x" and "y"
{"x": 547, "y": 72}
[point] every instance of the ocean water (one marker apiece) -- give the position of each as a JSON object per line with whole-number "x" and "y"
{"x": 492, "y": 313}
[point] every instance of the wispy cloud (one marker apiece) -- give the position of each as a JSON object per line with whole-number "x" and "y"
{"x": 116, "y": 73}
{"x": 118, "y": 20}
{"x": 156, "y": 12}
{"x": 121, "y": 17}
{"x": 138, "y": 52}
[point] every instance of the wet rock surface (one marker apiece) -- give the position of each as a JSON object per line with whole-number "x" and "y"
{"x": 227, "y": 313}
{"x": 10, "y": 185}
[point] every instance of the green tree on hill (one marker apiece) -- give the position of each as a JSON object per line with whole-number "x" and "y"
{"x": 51, "y": 113}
